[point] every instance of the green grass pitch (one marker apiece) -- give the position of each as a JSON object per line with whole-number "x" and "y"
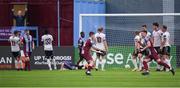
{"x": 77, "y": 78}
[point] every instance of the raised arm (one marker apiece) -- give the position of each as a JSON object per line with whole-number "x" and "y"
{"x": 13, "y": 15}
{"x": 25, "y": 15}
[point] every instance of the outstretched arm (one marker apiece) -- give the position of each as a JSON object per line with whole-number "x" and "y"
{"x": 106, "y": 45}
{"x": 147, "y": 46}
{"x": 25, "y": 15}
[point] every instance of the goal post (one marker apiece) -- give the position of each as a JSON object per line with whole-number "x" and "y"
{"x": 119, "y": 29}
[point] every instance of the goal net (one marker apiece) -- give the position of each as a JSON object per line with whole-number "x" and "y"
{"x": 120, "y": 28}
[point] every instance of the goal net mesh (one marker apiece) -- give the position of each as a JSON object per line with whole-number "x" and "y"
{"x": 120, "y": 30}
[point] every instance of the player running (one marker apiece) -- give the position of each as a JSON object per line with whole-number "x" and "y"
{"x": 101, "y": 44}
{"x": 80, "y": 46}
{"x": 28, "y": 47}
{"x": 165, "y": 45}
{"x": 47, "y": 40}
{"x": 156, "y": 39}
{"x": 15, "y": 49}
{"x": 89, "y": 46}
{"x": 153, "y": 55}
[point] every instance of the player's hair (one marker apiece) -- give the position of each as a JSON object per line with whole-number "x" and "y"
{"x": 144, "y": 31}
{"x": 81, "y": 32}
{"x": 100, "y": 29}
{"x": 164, "y": 27}
{"x": 15, "y": 32}
{"x": 156, "y": 24}
{"x": 136, "y": 32}
{"x": 46, "y": 32}
{"x": 91, "y": 33}
{"x": 144, "y": 25}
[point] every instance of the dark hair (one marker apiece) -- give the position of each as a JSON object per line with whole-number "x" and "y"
{"x": 15, "y": 32}
{"x": 100, "y": 29}
{"x": 144, "y": 31}
{"x": 164, "y": 27}
{"x": 144, "y": 25}
{"x": 81, "y": 32}
{"x": 91, "y": 33}
{"x": 156, "y": 24}
{"x": 46, "y": 32}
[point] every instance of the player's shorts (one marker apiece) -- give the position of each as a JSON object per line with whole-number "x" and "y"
{"x": 153, "y": 55}
{"x": 158, "y": 50}
{"x": 87, "y": 57}
{"x": 101, "y": 54}
{"x": 145, "y": 52}
{"x": 166, "y": 50}
{"x": 135, "y": 53}
{"x": 49, "y": 54}
{"x": 16, "y": 54}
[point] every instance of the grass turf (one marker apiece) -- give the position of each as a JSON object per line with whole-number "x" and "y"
{"x": 77, "y": 78}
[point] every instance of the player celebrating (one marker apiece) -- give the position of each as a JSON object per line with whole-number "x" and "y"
{"x": 152, "y": 55}
{"x": 47, "y": 40}
{"x": 165, "y": 45}
{"x": 156, "y": 38}
{"x": 136, "y": 54}
{"x": 28, "y": 47}
{"x": 88, "y": 46}
{"x": 101, "y": 44}
{"x": 80, "y": 45}
{"x": 15, "y": 49}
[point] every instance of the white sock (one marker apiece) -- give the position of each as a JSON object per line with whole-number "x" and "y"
{"x": 49, "y": 64}
{"x": 158, "y": 66}
{"x": 54, "y": 62}
{"x": 97, "y": 63}
{"x": 134, "y": 63}
{"x": 140, "y": 64}
{"x": 168, "y": 62}
{"x": 103, "y": 64}
{"x": 16, "y": 64}
{"x": 21, "y": 64}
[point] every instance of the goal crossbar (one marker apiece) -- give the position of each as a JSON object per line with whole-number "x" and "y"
{"x": 124, "y": 14}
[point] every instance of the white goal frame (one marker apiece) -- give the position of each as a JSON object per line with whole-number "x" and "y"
{"x": 121, "y": 15}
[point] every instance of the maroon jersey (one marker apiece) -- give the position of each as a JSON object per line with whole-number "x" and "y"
{"x": 86, "y": 50}
{"x": 153, "y": 53}
{"x": 87, "y": 46}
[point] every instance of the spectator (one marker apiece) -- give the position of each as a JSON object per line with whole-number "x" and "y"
{"x": 20, "y": 18}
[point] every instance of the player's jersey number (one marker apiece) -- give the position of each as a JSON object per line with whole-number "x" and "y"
{"x": 47, "y": 41}
{"x": 99, "y": 39}
{"x": 13, "y": 43}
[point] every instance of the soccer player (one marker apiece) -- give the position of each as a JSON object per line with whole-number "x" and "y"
{"x": 136, "y": 54}
{"x": 153, "y": 55}
{"x": 89, "y": 46}
{"x": 47, "y": 40}
{"x": 165, "y": 45}
{"x": 28, "y": 47}
{"x": 101, "y": 44}
{"x": 15, "y": 49}
{"x": 156, "y": 38}
{"x": 80, "y": 45}
{"x": 144, "y": 27}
